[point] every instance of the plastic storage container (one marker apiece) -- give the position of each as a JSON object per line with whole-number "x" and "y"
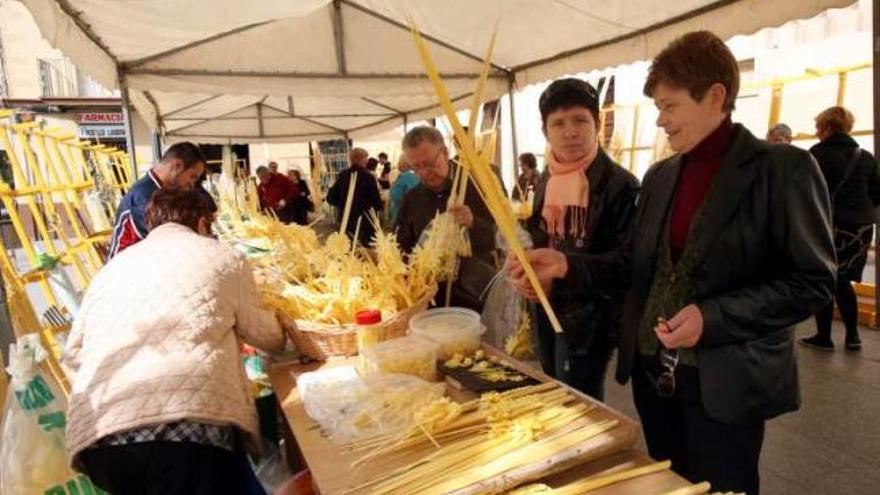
{"x": 369, "y": 332}
{"x": 456, "y": 330}
{"x": 410, "y": 355}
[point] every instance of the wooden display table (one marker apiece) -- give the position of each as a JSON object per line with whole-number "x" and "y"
{"x": 330, "y": 467}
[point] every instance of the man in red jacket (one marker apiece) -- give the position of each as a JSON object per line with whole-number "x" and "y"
{"x": 277, "y": 193}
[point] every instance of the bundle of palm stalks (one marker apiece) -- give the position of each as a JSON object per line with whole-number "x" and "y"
{"x": 330, "y": 282}
{"x": 481, "y": 439}
{"x": 615, "y": 475}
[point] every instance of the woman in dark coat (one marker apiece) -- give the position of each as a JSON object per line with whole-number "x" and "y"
{"x": 581, "y": 216}
{"x": 854, "y": 186}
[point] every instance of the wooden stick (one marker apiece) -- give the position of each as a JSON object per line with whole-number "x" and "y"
{"x": 596, "y": 482}
{"x": 453, "y": 195}
{"x": 352, "y": 183}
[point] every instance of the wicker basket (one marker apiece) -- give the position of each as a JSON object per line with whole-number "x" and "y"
{"x": 322, "y": 340}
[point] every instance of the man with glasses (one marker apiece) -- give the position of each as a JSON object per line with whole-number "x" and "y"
{"x": 428, "y": 156}
{"x": 731, "y": 247}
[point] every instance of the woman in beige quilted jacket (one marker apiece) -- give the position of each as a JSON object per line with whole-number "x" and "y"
{"x": 160, "y": 402}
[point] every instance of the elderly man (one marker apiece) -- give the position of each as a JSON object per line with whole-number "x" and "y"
{"x": 181, "y": 167}
{"x": 366, "y": 197}
{"x": 779, "y": 134}
{"x": 277, "y": 194}
{"x": 428, "y": 156}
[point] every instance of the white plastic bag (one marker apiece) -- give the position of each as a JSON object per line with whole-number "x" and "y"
{"x": 351, "y": 408}
{"x": 504, "y": 308}
{"x": 33, "y": 460}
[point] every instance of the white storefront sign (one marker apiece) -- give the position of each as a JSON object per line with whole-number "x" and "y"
{"x": 102, "y": 132}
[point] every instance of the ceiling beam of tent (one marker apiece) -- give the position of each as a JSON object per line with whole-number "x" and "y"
{"x": 86, "y": 28}
{"x": 428, "y": 37}
{"x": 408, "y": 112}
{"x": 393, "y": 117}
{"x": 129, "y": 127}
{"x": 203, "y": 120}
{"x": 159, "y": 120}
{"x": 233, "y": 138}
{"x": 287, "y": 116}
{"x": 634, "y": 34}
{"x": 310, "y": 121}
{"x": 260, "y": 119}
{"x": 300, "y": 75}
{"x": 167, "y": 53}
{"x": 191, "y": 105}
{"x": 513, "y": 143}
{"x": 382, "y": 105}
{"x": 339, "y": 37}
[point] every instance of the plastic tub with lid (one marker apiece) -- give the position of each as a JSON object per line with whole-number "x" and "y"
{"x": 456, "y": 330}
{"x": 410, "y": 355}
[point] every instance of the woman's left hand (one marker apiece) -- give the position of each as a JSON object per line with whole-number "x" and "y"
{"x": 548, "y": 264}
{"x": 684, "y": 329}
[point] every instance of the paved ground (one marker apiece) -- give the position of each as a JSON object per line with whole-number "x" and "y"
{"x": 830, "y": 446}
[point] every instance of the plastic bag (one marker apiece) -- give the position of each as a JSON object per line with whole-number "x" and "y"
{"x": 350, "y": 407}
{"x": 505, "y": 312}
{"x": 61, "y": 284}
{"x": 33, "y": 460}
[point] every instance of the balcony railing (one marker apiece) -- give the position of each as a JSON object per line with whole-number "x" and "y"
{"x": 59, "y": 78}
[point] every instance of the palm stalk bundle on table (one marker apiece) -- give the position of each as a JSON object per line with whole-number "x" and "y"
{"x": 481, "y": 439}
{"x": 611, "y": 477}
{"x": 330, "y": 281}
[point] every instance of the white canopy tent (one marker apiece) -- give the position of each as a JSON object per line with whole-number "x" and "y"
{"x": 220, "y": 71}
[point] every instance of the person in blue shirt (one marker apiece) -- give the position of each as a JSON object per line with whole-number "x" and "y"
{"x": 406, "y": 181}
{"x": 179, "y": 168}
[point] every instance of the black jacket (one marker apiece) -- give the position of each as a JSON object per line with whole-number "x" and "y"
{"x": 421, "y": 204}
{"x": 589, "y": 297}
{"x": 366, "y": 198}
{"x": 770, "y": 265}
{"x": 857, "y": 196}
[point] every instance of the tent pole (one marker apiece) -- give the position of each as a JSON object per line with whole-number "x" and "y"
{"x": 876, "y": 126}
{"x": 405, "y": 123}
{"x": 157, "y": 147}
{"x": 510, "y": 80}
{"x": 129, "y": 128}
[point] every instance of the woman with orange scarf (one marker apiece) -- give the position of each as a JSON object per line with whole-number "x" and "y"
{"x": 580, "y": 227}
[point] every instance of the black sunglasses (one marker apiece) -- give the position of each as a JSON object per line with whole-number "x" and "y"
{"x": 663, "y": 378}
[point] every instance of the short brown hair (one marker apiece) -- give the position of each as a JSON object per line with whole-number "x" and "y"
{"x": 182, "y": 207}
{"x": 836, "y": 120}
{"x": 695, "y": 62}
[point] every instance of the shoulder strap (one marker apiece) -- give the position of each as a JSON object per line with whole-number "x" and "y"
{"x": 847, "y": 172}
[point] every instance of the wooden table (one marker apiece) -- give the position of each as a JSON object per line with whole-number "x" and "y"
{"x": 329, "y": 467}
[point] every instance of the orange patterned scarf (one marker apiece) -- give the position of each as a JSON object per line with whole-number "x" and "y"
{"x": 567, "y": 187}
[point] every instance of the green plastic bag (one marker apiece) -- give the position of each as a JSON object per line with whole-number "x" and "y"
{"x": 33, "y": 460}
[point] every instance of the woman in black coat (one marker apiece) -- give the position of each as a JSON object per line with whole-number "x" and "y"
{"x": 854, "y": 186}
{"x": 581, "y": 216}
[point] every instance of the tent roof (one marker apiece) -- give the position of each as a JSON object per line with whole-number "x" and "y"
{"x": 263, "y": 70}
